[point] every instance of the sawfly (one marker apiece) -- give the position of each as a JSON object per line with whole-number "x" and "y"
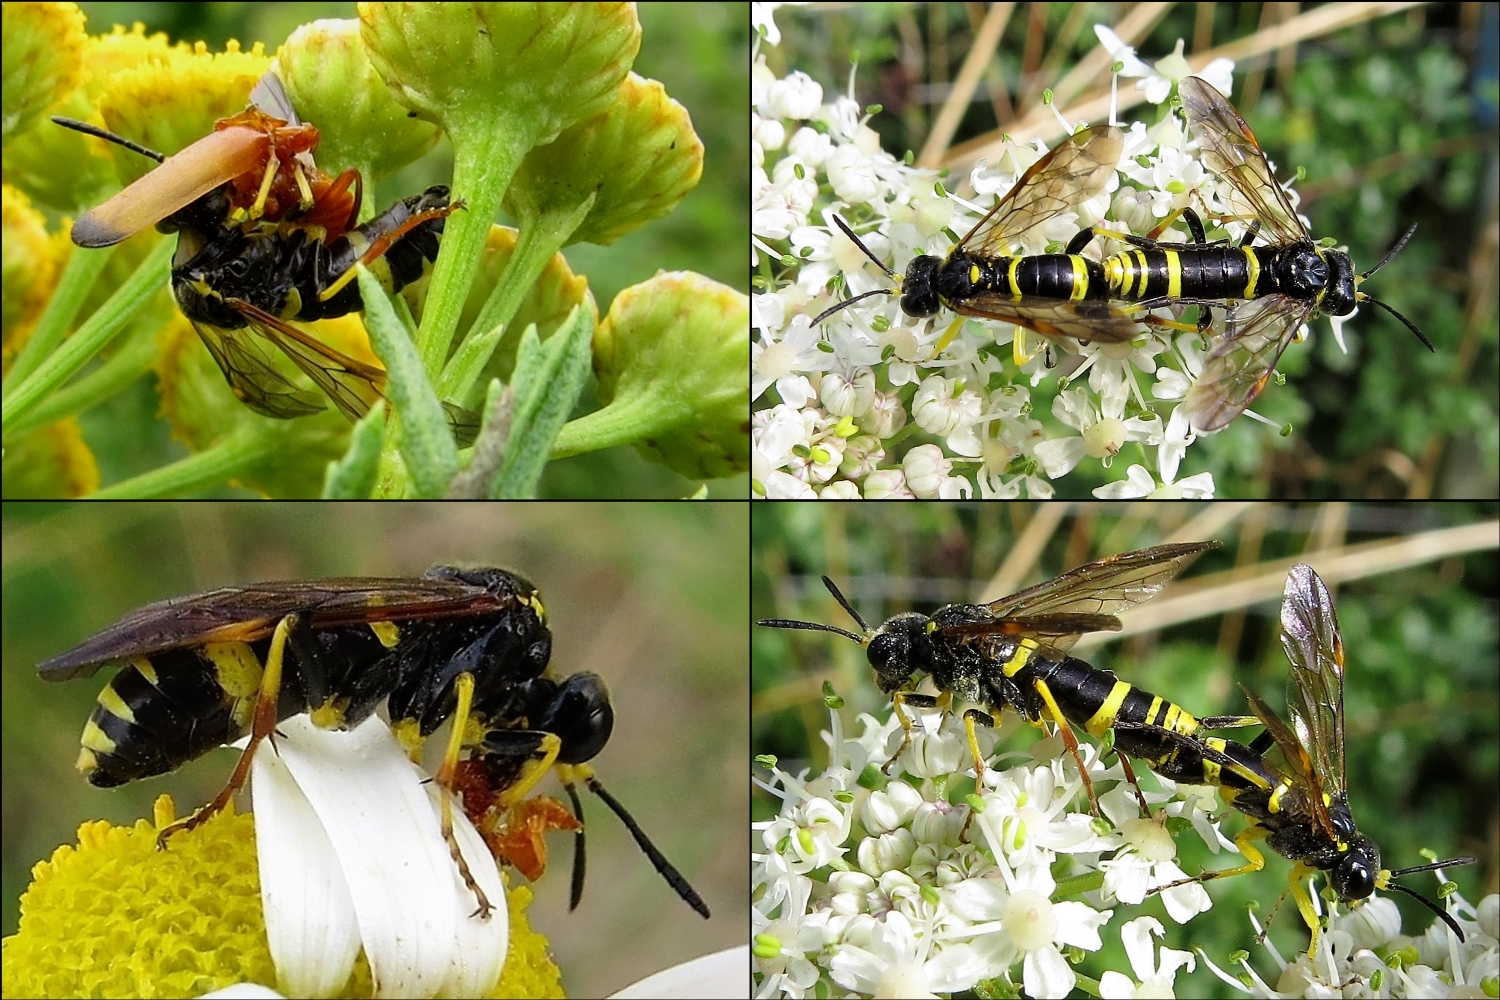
{"x": 466, "y": 645}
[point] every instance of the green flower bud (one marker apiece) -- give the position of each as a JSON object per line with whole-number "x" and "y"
{"x": 164, "y": 97}
{"x": 501, "y": 78}
{"x": 333, "y": 86}
{"x": 44, "y": 46}
{"x": 538, "y": 67}
{"x": 673, "y": 360}
{"x": 638, "y": 158}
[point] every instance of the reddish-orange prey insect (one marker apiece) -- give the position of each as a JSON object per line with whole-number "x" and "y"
{"x": 516, "y": 834}
{"x": 262, "y": 154}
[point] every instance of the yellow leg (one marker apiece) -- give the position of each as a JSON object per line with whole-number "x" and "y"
{"x": 1069, "y": 740}
{"x": 1297, "y": 880}
{"x": 897, "y": 700}
{"x": 463, "y": 687}
{"x": 1021, "y": 350}
{"x": 948, "y": 335}
{"x": 1254, "y": 861}
{"x": 1165, "y": 224}
{"x": 262, "y": 725}
{"x": 536, "y": 769}
{"x": 969, "y": 722}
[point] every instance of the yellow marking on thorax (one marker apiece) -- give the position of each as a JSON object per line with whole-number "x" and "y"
{"x": 389, "y": 633}
{"x": 1020, "y": 657}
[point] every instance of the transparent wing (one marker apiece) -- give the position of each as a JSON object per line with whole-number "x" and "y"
{"x": 1315, "y": 693}
{"x": 352, "y": 385}
{"x": 1303, "y": 772}
{"x": 252, "y": 375}
{"x": 1088, "y": 598}
{"x": 1098, "y": 322}
{"x": 1230, "y": 150}
{"x": 1075, "y": 170}
{"x": 270, "y": 96}
{"x": 1248, "y": 339}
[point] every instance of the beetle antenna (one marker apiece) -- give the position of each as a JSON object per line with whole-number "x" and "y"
{"x": 808, "y": 627}
{"x": 1446, "y": 917}
{"x": 658, "y": 860}
{"x": 844, "y": 603}
{"x": 876, "y": 260}
{"x": 100, "y": 133}
{"x": 1362, "y": 297}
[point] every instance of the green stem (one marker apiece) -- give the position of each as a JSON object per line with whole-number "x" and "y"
{"x": 78, "y": 350}
{"x": 540, "y": 238}
{"x": 213, "y": 466}
{"x": 132, "y": 359}
{"x": 483, "y": 166}
{"x": 78, "y": 276}
{"x": 625, "y": 421}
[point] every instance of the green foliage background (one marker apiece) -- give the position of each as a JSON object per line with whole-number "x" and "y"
{"x": 1391, "y": 127}
{"x": 1422, "y": 698}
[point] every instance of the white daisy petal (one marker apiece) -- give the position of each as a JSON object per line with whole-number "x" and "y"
{"x": 380, "y": 820}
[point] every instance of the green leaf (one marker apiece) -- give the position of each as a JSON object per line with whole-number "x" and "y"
{"x": 548, "y": 380}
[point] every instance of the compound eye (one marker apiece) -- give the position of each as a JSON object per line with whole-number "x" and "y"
{"x": 581, "y": 717}
{"x": 1354, "y": 878}
{"x": 889, "y": 653}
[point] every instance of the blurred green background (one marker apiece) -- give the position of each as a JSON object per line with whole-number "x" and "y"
{"x": 1422, "y": 697}
{"x": 651, "y": 596}
{"x": 699, "y": 52}
{"x": 1392, "y": 120}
